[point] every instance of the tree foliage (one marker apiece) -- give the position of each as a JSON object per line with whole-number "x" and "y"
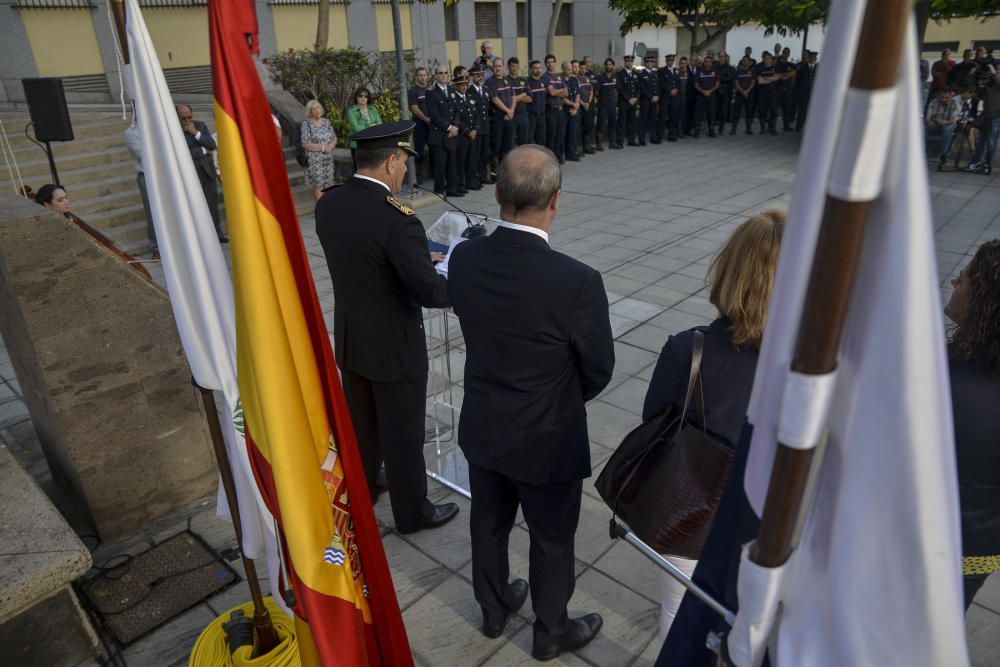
{"x": 705, "y": 20}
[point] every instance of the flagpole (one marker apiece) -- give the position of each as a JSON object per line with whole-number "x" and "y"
{"x": 404, "y": 107}
{"x": 267, "y": 638}
{"x": 838, "y": 251}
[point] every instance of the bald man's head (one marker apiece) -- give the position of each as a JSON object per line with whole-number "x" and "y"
{"x": 528, "y": 179}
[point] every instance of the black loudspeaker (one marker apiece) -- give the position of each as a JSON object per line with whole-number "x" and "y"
{"x": 47, "y": 106}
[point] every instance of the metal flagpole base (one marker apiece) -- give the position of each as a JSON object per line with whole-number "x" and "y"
{"x": 618, "y": 530}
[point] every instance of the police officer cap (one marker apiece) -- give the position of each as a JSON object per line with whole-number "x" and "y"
{"x": 476, "y": 69}
{"x": 628, "y": 56}
{"x": 650, "y": 59}
{"x": 386, "y": 135}
{"x": 459, "y": 79}
{"x": 670, "y": 56}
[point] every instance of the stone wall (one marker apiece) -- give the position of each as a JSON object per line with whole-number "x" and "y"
{"x": 96, "y": 351}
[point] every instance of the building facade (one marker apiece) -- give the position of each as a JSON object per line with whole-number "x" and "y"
{"x": 75, "y": 39}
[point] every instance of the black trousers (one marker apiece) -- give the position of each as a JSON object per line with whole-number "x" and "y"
{"x": 485, "y": 154}
{"x": 472, "y": 161}
{"x": 650, "y": 126}
{"x": 786, "y": 100}
{"x": 388, "y": 420}
{"x": 536, "y": 128}
{"x": 628, "y": 122}
{"x": 443, "y": 162}
{"x": 704, "y": 111}
{"x": 520, "y": 128}
{"x": 724, "y": 106}
{"x": 607, "y": 122}
{"x": 555, "y": 130}
{"x": 801, "y": 107}
{"x": 140, "y": 180}
{"x": 587, "y": 126}
{"x": 461, "y": 156}
{"x": 211, "y": 190}
{"x": 666, "y": 121}
{"x": 742, "y": 105}
{"x": 552, "y": 512}
{"x": 571, "y": 134}
{"x": 767, "y": 109}
{"x": 420, "y": 134}
{"x": 502, "y": 132}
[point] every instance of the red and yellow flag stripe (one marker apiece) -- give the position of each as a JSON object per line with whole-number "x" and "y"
{"x": 298, "y": 429}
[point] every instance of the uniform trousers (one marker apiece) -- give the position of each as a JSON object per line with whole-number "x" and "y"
{"x": 704, "y": 111}
{"x": 802, "y": 106}
{"x": 786, "y": 100}
{"x": 536, "y": 128}
{"x": 388, "y": 420}
{"x": 421, "y": 132}
{"x": 650, "y": 126}
{"x": 572, "y": 132}
{"x": 445, "y": 167}
{"x": 555, "y": 130}
{"x": 520, "y": 128}
{"x": 552, "y": 512}
{"x": 724, "y": 105}
{"x": 587, "y": 126}
{"x": 461, "y": 161}
{"x": 502, "y": 133}
{"x": 742, "y": 105}
{"x": 472, "y": 161}
{"x": 628, "y": 122}
{"x": 607, "y": 121}
{"x": 667, "y": 118}
{"x": 767, "y": 109}
{"x": 485, "y": 153}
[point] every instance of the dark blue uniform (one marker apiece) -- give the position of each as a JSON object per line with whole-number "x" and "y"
{"x": 519, "y": 86}
{"x": 685, "y": 88}
{"x": 536, "y": 111}
{"x": 804, "y": 76}
{"x": 669, "y": 100}
{"x": 607, "y": 110}
{"x": 572, "y": 120}
{"x": 727, "y": 76}
{"x": 443, "y": 114}
{"x": 767, "y": 99}
{"x": 705, "y": 79}
{"x": 649, "y": 87}
{"x": 502, "y": 131}
{"x": 468, "y": 121}
{"x": 483, "y": 148}
{"x": 743, "y": 98}
{"x": 418, "y": 96}
{"x": 628, "y": 114}
{"x": 587, "y": 115}
{"x": 555, "y": 119}
{"x": 785, "y": 98}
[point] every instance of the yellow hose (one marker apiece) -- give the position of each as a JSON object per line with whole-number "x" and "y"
{"x": 212, "y": 649}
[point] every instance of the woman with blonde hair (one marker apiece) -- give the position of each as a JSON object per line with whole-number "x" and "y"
{"x": 318, "y": 139}
{"x": 740, "y": 279}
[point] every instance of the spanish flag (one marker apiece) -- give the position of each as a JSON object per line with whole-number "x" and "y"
{"x": 298, "y": 431}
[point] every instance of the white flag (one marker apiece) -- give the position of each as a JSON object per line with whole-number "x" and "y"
{"x": 198, "y": 281}
{"x": 876, "y": 576}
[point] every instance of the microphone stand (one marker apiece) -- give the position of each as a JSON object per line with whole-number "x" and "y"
{"x": 474, "y": 229}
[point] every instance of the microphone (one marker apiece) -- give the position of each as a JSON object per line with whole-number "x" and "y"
{"x": 474, "y": 229}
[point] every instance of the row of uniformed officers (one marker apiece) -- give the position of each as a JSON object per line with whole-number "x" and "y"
{"x": 470, "y": 121}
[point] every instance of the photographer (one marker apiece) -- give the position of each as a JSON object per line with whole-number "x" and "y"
{"x": 986, "y": 142}
{"x": 485, "y": 60}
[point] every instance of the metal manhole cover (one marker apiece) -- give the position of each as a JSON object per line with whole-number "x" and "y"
{"x": 150, "y": 589}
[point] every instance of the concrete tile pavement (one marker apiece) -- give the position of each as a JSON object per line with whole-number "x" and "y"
{"x": 650, "y": 219}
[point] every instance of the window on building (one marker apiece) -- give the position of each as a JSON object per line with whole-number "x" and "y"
{"x": 450, "y": 23}
{"x": 487, "y": 20}
{"x": 522, "y": 19}
{"x": 986, "y": 44}
{"x": 938, "y": 47}
{"x": 652, "y": 53}
{"x": 565, "y": 21}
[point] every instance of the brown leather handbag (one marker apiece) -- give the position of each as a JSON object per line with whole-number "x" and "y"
{"x": 666, "y": 477}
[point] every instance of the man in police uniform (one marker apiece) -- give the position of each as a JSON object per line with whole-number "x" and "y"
{"x": 767, "y": 94}
{"x": 571, "y": 113}
{"x": 502, "y": 96}
{"x": 468, "y": 123}
{"x": 555, "y": 118}
{"x": 649, "y": 103}
{"x": 382, "y": 274}
{"x": 628, "y": 103}
{"x": 669, "y": 99}
{"x": 443, "y": 138}
{"x": 481, "y": 95}
{"x": 536, "y": 107}
{"x": 727, "y": 79}
{"x": 586, "y": 79}
{"x": 521, "y": 98}
{"x": 606, "y": 89}
{"x": 706, "y": 84}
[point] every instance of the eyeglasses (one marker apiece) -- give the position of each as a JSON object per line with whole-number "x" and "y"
{"x": 187, "y": 117}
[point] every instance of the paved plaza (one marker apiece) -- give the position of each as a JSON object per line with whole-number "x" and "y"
{"x": 650, "y": 220}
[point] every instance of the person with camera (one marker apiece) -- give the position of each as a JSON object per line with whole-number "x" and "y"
{"x": 989, "y": 132}
{"x": 485, "y": 59}
{"x": 941, "y": 118}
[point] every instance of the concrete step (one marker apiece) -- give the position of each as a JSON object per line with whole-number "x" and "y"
{"x": 89, "y": 128}
{"x": 39, "y": 168}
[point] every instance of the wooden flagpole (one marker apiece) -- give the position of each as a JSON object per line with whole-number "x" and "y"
{"x": 876, "y": 68}
{"x": 266, "y": 636}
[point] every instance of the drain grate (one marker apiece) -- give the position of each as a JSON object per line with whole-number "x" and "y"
{"x": 150, "y": 589}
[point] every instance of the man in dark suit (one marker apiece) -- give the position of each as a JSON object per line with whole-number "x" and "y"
{"x": 443, "y": 138}
{"x": 538, "y": 341}
{"x": 806, "y": 74}
{"x": 200, "y": 143}
{"x": 382, "y": 274}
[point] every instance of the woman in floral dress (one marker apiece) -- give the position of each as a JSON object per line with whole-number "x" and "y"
{"x": 319, "y": 140}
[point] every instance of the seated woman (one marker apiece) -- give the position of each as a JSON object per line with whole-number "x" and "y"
{"x": 974, "y": 361}
{"x": 741, "y": 277}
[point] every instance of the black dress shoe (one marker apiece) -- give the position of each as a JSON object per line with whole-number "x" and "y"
{"x": 749, "y": 131}
{"x": 581, "y": 631}
{"x": 477, "y": 186}
{"x": 671, "y": 138}
{"x": 615, "y": 146}
{"x": 441, "y": 515}
{"x": 518, "y": 591}
{"x": 452, "y": 194}
{"x": 599, "y": 148}
{"x": 573, "y": 159}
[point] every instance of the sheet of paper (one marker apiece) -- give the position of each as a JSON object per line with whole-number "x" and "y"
{"x": 442, "y": 267}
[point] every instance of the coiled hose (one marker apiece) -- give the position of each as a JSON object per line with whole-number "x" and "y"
{"x": 212, "y": 648}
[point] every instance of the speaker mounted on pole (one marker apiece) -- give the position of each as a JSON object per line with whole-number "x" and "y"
{"x": 49, "y": 114}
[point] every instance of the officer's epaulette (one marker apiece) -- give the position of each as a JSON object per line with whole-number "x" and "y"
{"x": 335, "y": 185}
{"x": 400, "y": 206}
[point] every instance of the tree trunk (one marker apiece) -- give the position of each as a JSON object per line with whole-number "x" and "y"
{"x": 805, "y": 42}
{"x": 550, "y": 36}
{"x": 923, "y": 15}
{"x": 323, "y": 25}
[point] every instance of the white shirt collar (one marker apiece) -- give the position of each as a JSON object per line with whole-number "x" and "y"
{"x": 443, "y": 88}
{"x": 524, "y": 228}
{"x": 374, "y": 180}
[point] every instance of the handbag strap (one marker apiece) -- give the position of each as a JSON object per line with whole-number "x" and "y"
{"x": 694, "y": 379}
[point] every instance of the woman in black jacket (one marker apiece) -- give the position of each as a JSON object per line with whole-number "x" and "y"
{"x": 974, "y": 362}
{"x": 740, "y": 277}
